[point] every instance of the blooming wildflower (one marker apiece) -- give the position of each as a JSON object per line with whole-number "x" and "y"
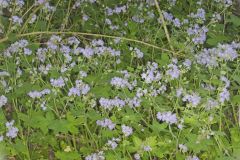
{"x": 194, "y": 99}
{"x": 37, "y": 94}
{"x": 227, "y": 82}
{"x": 211, "y": 104}
{"x": 107, "y": 123}
{"x": 120, "y": 83}
{"x": 187, "y": 63}
{"x": 3, "y": 100}
{"x": 1, "y": 138}
{"x": 210, "y": 57}
{"x": 127, "y": 131}
{"x": 113, "y": 143}
{"x": 20, "y": 3}
{"x": 198, "y": 33}
{"x": 216, "y": 17}
{"x": 151, "y": 15}
{"x": 4, "y": 73}
{"x": 225, "y": 3}
{"x": 183, "y": 148}
{"x": 199, "y": 15}
{"x": 45, "y": 69}
{"x": 87, "y": 52}
{"x": 168, "y": 16}
{"x": 57, "y": 82}
{"x": 85, "y": 17}
{"x": 73, "y": 41}
{"x": 83, "y": 74}
{"x": 116, "y": 10}
{"x": 39, "y": 2}
{"x": 141, "y": 92}
{"x": 179, "y": 92}
{"x": 151, "y": 74}
{"x": 95, "y": 156}
{"x": 4, "y": 3}
{"x": 74, "y": 91}
{"x": 137, "y": 156}
{"x": 17, "y": 20}
{"x": 192, "y": 158}
{"x": 80, "y": 89}
{"x": 65, "y": 49}
{"x": 147, "y": 148}
{"x": 167, "y": 117}
{"x": 76, "y": 4}
{"x": 49, "y": 8}
{"x": 177, "y": 23}
{"x": 27, "y": 51}
{"x": 173, "y": 71}
{"x": 43, "y": 106}
{"x": 139, "y": 54}
{"x": 33, "y": 19}
{"x": 110, "y": 103}
{"x": 224, "y": 95}
{"x": 12, "y": 131}
{"x": 137, "y": 19}
{"x": 134, "y": 102}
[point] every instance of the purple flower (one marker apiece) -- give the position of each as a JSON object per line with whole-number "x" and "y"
{"x": 127, "y": 131}
{"x": 57, "y": 82}
{"x": 167, "y": 117}
{"x": 17, "y": 20}
{"x": 120, "y": 83}
{"x": 106, "y": 123}
{"x": 173, "y": 71}
{"x": 113, "y": 143}
{"x": 224, "y": 95}
{"x": 198, "y": 34}
{"x": 3, "y": 100}
{"x": 193, "y": 98}
{"x": 11, "y": 130}
{"x": 110, "y": 103}
{"x": 96, "y": 156}
{"x": 147, "y": 148}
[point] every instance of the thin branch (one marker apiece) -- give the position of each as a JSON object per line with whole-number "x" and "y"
{"x": 164, "y": 25}
{"x": 90, "y": 34}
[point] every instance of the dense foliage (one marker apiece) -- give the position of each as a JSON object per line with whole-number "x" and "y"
{"x": 119, "y": 79}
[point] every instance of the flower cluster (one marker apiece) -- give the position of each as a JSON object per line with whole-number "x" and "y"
{"x": 170, "y": 18}
{"x": 116, "y": 10}
{"x": 194, "y": 99}
{"x": 126, "y": 130}
{"x": 57, "y": 82}
{"x": 3, "y": 100}
{"x": 37, "y": 94}
{"x": 111, "y": 103}
{"x": 16, "y": 47}
{"x": 113, "y": 143}
{"x": 199, "y": 15}
{"x": 96, "y": 156}
{"x": 106, "y": 123}
{"x": 80, "y": 89}
{"x": 167, "y": 117}
{"x": 12, "y": 131}
{"x": 137, "y": 51}
{"x": 198, "y": 34}
{"x": 173, "y": 71}
{"x": 223, "y": 52}
{"x": 121, "y": 83}
{"x": 152, "y": 74}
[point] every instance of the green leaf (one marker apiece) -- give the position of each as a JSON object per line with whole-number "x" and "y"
{"x": 236, "y": 99}
{"x": 68, "y": 155}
